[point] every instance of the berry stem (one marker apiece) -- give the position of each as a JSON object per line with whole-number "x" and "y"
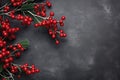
{"x": 37, "y": 15}
{"x": 3, "y": 6}
{"x": 11, "y": 75}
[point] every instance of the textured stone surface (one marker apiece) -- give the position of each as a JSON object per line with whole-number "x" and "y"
{"x": 90, "y": 52}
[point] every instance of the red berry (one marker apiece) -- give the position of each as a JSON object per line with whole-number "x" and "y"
{"x": 64, "y": 35}
{"x": 61, "y": 21}
{"x": 54, "y": 22}
{"x": 57, "y": 42}
{"x": 53, "y": 36}
{"x": 1, "y": 56}
{"x": 62, "y": 24}
{"x": 48, "y": 4}
{"x": 19, "y": 76}
{"x": 63, "y": 18}
{"x": 51, "y": 13}
{"x": 36, "y": 25}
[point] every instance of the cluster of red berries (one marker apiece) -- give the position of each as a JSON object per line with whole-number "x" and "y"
{"x": 16, "y": 2}
{"x": 8, "y": 53}
{"x": 6, "y": 9}
{"x": 7, "y": 30}
{"x": 40, "y": 8}
{"x": 51, "y": 25}
{"x": 2, "y": 43}
{"x": 49, "y": 22}
{"x": 29, "y": 69}
{"x": 25, "y": 68}
{"x": 26, "y": 20}
{"x": 14, "y": 69}
{"x": 7, "y": 56}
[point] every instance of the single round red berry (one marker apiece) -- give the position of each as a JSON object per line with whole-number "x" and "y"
{"x": 57, "y": 42}
{"x": 51, "y": 13}
{"x": 63, "y": 17}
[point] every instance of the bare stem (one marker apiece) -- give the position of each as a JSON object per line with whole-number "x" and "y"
{"x": 37, "y": 15}
{"x": 11, "y": 75}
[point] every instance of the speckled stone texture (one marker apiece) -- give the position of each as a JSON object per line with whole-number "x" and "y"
{"x": 90, "y": 52}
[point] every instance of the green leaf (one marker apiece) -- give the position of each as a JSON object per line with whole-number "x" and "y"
{"x": 1, "y": 68}
{"x": 24, "y": 43}
{"x": 30, "y": 0}
{"x": 26, "y": 7}
{"x": 1, "y": 12}
{"x": 7, "y": 79}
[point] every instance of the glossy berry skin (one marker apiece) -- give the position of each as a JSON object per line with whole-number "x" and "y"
{"x": 57, "y": 42}
{"x": 51, "y": 13}
{"x": 63, "y": 18}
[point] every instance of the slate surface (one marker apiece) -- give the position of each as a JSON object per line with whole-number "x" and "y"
{"x": 90, "y": 52}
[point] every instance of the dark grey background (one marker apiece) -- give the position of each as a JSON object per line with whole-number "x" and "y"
{"x": 90, "y": 52}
